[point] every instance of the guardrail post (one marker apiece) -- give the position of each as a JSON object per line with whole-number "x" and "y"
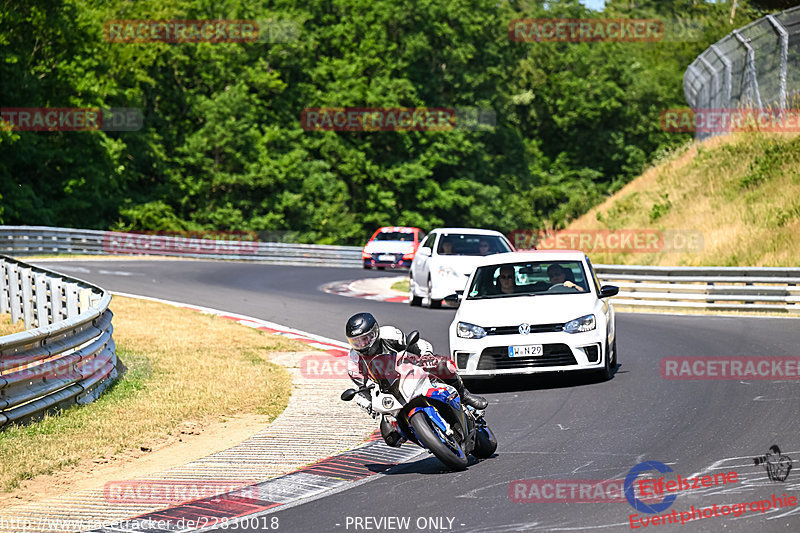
{"x": 27, "y": 296}
{"x": 84, "y": 300}
{"x": 40, "y": 295}
{"x": 72, "y": 299}
{"x": 56, "y": 301}
{"x": 15, "y": 302}
{"x": 4, "y": 296}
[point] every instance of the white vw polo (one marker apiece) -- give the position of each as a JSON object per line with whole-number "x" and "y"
{"x": 530, "y": 312}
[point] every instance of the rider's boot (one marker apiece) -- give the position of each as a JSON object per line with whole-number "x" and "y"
{"x": 390, "y": 434}
{"x": 478, "y": 402}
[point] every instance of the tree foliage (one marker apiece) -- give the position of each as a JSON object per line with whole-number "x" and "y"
{"x": 222, "y": 146}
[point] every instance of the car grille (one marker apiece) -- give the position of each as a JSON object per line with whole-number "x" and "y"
{"x": 535, "y": 328}
{"x": 496, "y": 358}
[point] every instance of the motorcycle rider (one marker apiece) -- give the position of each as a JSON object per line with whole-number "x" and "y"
{"x": 367, "y": 338}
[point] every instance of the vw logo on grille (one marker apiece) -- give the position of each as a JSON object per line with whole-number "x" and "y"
{"x": 524, "y": 329}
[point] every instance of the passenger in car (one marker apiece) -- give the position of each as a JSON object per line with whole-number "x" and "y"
{"x": 507, "y": 279}
{"x": 445, "y": 247}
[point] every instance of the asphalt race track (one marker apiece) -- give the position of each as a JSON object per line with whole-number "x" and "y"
{"x": 567, "y": 428}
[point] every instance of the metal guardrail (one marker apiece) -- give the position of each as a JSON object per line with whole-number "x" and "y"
{"x": 708, "y": 288}
{"x": 38, "y": 240}
{"x": 68, "y": 357}
{"x": 757, "y": 66}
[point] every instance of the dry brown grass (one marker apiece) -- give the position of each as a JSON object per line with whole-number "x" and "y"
{"x": 742, "y": 192}
{"x": 183, "y": 367}
{"x": 7, "y": 328}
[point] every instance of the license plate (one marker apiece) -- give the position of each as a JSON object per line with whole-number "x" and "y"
{"x": 385, "y": 258}
{"x": 531, "y": 350}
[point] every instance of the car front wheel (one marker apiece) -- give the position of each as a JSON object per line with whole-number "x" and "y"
{"x": 413, "y": 300}
{"x": 433, "y": 304}
{"x": 604, "y": 374}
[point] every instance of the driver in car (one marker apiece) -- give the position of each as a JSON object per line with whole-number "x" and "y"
{"x": 366, "y": 338}
{"x": 558, "y": 276}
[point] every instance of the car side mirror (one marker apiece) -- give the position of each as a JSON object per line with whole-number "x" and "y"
{"x": 412, "y": 338}
{"x": 424, "y": 251}
{"x": 453, "y": 298}
{"x": 608, "y": 290}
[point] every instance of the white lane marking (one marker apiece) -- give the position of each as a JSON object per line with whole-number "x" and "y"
{"x": 763, "y": 399}
{"x": 582, "y": 466}
{"x": 80, "y": 270}
{"x": 473, "y": 494}
{"x": 119, "y": 273}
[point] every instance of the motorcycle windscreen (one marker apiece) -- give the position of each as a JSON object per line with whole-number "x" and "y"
{"x": 415, "y": 381}
{"x": 380, "y": 368}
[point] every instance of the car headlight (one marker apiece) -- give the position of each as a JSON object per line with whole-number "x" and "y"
{"x": 447, "y": 271}
{"x": 470, "y": 331}
{"x": 579, "y": 325}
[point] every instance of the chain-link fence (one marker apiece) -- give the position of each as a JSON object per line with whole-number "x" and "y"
{"x": 755, "y": 67}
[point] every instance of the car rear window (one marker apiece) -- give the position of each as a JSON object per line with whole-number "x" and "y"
{"x": 529, "y": 278}
{"x": 466, "y": 244}
{"x": 394, "y": 236}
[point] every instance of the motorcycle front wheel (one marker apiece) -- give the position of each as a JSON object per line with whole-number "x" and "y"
{"x": 485, "y": 443}
{"x": 444, "y": 447}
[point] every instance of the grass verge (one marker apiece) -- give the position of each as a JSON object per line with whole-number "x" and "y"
{"x": 741, "y": 192}
{"x": 7, "y": 328}
{"x": 401, "y": 286}
{"x": 183, "y": 366}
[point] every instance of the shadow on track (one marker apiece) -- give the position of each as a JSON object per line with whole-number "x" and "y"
{"x": 428, "y": 465}
{"x": 560, "y": 380}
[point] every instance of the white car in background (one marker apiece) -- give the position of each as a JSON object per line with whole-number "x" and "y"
{"x": 530, "y": 312}
{"x": 446, "y": 258}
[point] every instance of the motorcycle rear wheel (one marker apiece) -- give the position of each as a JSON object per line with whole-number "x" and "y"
{"x": 445, "y": 448}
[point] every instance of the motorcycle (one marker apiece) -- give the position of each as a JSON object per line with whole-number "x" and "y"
{"x": 428, "y": 413}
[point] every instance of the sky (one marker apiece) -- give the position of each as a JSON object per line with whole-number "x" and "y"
{"x": 594, "y": 4}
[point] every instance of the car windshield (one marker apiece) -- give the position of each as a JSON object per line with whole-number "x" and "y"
{"x": 529, "y": 278}
{"x": 464, "y": 244}
{"x": 394, "y": 236}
